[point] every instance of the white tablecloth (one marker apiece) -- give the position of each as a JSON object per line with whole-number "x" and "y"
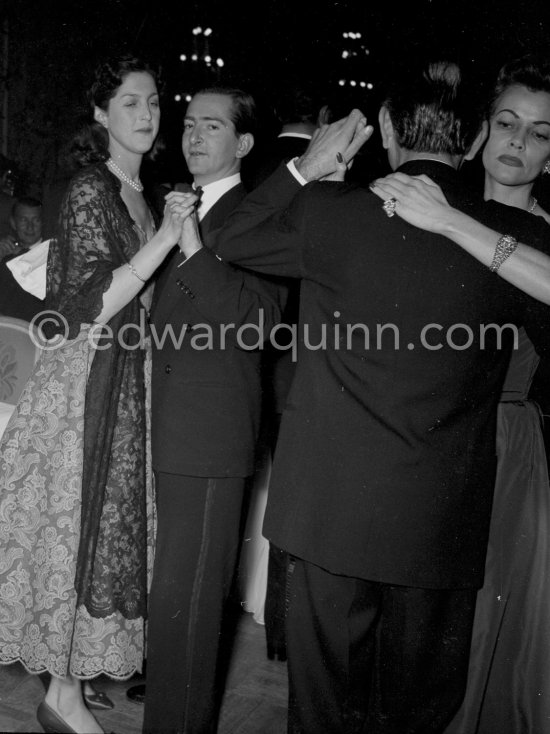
{"x": 5, "y": 412}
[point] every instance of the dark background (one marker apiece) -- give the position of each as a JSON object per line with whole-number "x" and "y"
{"x": 50, "y": 47}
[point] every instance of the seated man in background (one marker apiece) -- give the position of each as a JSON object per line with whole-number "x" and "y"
{"x": 26, "y": 226}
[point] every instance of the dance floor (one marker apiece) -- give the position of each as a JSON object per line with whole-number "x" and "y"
{"x": 255, "y": 697}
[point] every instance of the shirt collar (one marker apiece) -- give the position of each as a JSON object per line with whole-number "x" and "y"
{"x": 214, "y": 191}
{"x": 304, "y": 136}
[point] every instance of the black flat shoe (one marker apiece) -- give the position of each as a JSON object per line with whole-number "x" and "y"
{"x": 136, "y": 694}
{"x": 51, "y": 722}
{"x": 98, "y": 700}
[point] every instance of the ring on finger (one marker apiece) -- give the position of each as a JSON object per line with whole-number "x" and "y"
{"x": 389, "y": 206}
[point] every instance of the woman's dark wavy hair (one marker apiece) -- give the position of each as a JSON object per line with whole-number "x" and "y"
{"x": 433, "y": 111}
{"x": 529, "y": 71}
{"x": 90, "y": 143}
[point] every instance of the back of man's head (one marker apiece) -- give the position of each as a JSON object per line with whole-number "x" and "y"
{"x": 432, "y": 110}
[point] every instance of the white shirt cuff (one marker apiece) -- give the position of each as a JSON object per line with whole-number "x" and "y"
{"x": 291, "y": 165}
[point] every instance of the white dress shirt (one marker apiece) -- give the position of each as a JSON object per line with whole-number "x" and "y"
{"x": 213, "y": 192}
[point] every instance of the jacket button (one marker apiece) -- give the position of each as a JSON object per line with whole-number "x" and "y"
{"x": 168, "y": 369}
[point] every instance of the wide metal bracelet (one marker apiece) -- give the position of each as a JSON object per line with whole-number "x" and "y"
{"x": 506, "y": 245}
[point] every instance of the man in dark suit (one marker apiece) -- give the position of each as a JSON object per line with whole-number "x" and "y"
{"x": 385, "y": 464}
{"x": 205, "y": 416}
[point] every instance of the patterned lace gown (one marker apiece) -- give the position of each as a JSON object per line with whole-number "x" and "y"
{"x": 44, "y": 623}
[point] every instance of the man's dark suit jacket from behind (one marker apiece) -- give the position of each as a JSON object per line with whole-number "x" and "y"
{"x": 206, "y": 402}
{"x": 385, "y": 463}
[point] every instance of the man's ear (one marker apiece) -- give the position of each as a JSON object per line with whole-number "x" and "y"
{"x": 386, "y": 127}
{"x": 100, "y": 116}
{"x": 481, "y": 137}
{"x": 245, "y": 145}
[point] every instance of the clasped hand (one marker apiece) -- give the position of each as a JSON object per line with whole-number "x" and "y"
{"x": 181, "y": 207}
{"x": 333, "y": 147}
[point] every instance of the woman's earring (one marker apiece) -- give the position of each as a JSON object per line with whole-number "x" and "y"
{"x": 546, "y": 168}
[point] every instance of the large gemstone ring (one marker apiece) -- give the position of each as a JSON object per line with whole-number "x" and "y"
{"x": 389, "y": 206}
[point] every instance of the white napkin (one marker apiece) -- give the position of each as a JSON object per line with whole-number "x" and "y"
{"x": 29, "y": 269}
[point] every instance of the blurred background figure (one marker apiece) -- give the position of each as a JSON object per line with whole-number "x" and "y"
{"x": 297, "y": 113}
{"x": 264, "y": 568}
{"x": 25, "y": 232}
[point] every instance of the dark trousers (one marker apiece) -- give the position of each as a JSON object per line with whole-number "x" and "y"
{"x": 279, "y": 567}
{"x": 198, "y": 537}
{"x": 372, "y": 658}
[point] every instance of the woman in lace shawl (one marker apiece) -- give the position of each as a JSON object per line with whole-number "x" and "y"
{"x": 76, "y": 506}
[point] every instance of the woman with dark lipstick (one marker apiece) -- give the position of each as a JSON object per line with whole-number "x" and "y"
{"x": 76, "y": 504}
{"x": 509, "y": 675}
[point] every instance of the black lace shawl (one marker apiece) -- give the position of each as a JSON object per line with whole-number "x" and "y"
{"x": 95, "y": 236}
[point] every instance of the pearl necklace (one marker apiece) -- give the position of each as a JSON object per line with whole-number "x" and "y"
{"x": 532, "y": 206}
{"x": 136, "y": 185}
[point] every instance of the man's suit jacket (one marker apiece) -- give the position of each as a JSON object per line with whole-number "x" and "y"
{"x": 385, "y": 463}
{"x": 206, "y": 398}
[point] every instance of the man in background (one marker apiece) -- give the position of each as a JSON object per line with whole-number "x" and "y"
{"x": 26, "y": 231}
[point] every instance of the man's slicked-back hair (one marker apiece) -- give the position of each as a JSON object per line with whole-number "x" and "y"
{"x": 244, "y": 113}
{"x": 432, "y": 111}
{"x": 29, "y": 201}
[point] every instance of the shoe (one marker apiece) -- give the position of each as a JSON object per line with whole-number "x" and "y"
{"x": 98, "y": 700}
{"x": 136, "y": 694}
{"x": 51, "y": 722}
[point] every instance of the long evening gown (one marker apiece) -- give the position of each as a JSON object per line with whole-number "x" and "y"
{"x": 82, "y": 421}
{"x": 509, "y": 675}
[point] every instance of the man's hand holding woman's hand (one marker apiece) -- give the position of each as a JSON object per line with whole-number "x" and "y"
{"x": 182, "y": 207}
{"x": 344, "y": 137}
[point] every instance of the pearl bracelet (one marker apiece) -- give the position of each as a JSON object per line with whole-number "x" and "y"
{"x": 135, "y": 272}
{"x": 506, "y": 245}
